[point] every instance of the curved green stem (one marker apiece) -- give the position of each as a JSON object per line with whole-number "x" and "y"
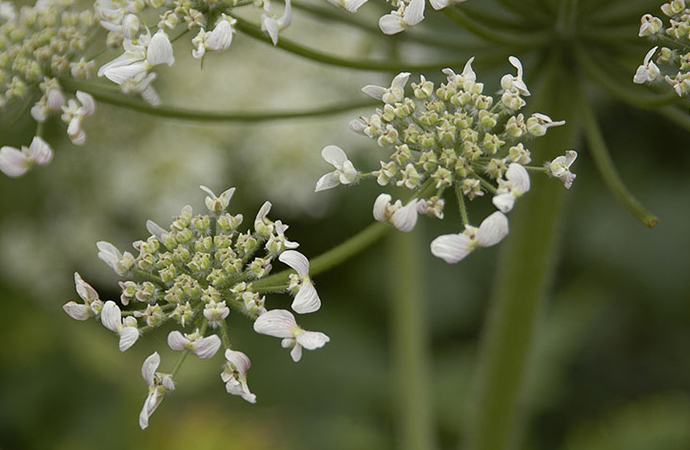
{"x": 675, "y": 115}
{"x": 409, "y": 335}
{"x": 639, "y": 99}
{"x": 254, "y": 31}
{"x": 333, "y": 257}
{"x": 525, "y": 269}
{"x": 172, "y": 112}
{"x": 496, "y": 36}
{"x": 605, "y": 166}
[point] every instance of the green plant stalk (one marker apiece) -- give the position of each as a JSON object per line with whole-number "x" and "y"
{"x": 526, "y": 266}
{"x": 525, "y": 39}
{"x": 194, "y": 115}
{"x": 337, "y": 255}
{"x": 409, "y": 336}
{"x": 605, "y": 166}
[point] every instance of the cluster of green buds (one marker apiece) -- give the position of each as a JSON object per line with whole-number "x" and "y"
{"x": 39, "y": 44}
{"x": 674, "y": 54}
{"x": 452, "y": 136}
{"x": 191, "y": 276}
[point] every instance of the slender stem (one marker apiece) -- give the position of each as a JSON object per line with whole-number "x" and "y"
{"x": 224, "y": 334}
{"x": 410, "y": 344}
{"x": 525, "y": 269}
{"x": 461, "y": 203}
{"x": 640, "y": 99}
{"x": 179, "y": 362}
{"x": 675, "y": 115}
{"x": 606, "y": 168}
{"x": 148, "y": 276}
{"x": 333, "y": 257}
{"x": 493, "y": 35}
{"x": 254, "y": 31}
{"x": 207, "y": 117}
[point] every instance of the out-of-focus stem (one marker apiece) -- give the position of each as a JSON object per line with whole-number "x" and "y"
{"x": 606, "y": 168}
{"x": 526, "y": 266}
{"x": 525, "y": 39}
{"x": 410, "y": 342}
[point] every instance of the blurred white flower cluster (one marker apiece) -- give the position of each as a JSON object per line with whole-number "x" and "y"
{"x": 40, "y": 45}
{"x": 193, "y": 274}
{"x": 450, "y": 137}
{"x": 673, "y": 54}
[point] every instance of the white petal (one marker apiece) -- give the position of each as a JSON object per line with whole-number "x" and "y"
{"x": 150, "y": 405}
{"x": 296, "y": 260}
{"x": 160, "y": 50}
{"x": 177, "y": 341}
{"x": 439, "y": 4}
{"x": 77, "y": 311}
{"x": 128, "y": 336}
{"x": 311, "y": 340}
{"x": 328, "y": 181}
{"x": 296, "y": 353}
{"x": 570, "y": 157}
{"x": 400, "y": 80}
{"x": 334, "y": 155}
{"x": 122, "y": 60}
{"x": 414, "y": 13}
{"x": 518, "y": 175}
{"x": 148, "y": 369}
{"x": 504, "y": 202}
{"x": 221, "y": 37}
{"x": 111, "y": 316}
{"x": 207, "y": 346}
{"x": 374, "y": 91}
{"x": 649, "y": 55}
{"x": 277, "y": 323}
{"x": 84, "y": 289}
{"x": 241, "y": 361}
{"x": 405, "y": 218}
{"x": 263, "y": 212}
{"x": 270, "y": 25}
{"x": 451, "y": 247}
{"x": 13, "y": 162}
{"x": 492, "y": 230}
{"x": 156, "y": 230}
{"x": 353, "y": 5}
{"x": 40, "y": 151}
{"x": 88, "y": 104}
{"x": 307, "y": 299}
{"x": 123, "y": 73}
{"x": 380, "y": 207}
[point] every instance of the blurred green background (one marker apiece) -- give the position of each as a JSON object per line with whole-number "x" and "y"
{"x": 611, "y": 366}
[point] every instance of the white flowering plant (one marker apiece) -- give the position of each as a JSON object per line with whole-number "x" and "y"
{"x": 502, "y": 154}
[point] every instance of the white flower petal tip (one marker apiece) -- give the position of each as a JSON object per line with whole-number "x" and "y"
{"x": 281, "y": 324}
{"x": 453, "y": 248}
{"x": 306, "y": 298}
{"x": 234, "y": 375}
{"x": 344, "y": 173}
{"x": 393, "y": 94}
{"x": 160, "y": 50}
{"x": 15, "y": 163}
{"x": 159, "y": 384}
{"x": 648, "y": 71}
{"x": 111, "y": 318}
{"x": 220, "y": 203}
{"x": 403, "y": 218}
{"x": 516, "y": 184}
{"x": 560, "y": 168}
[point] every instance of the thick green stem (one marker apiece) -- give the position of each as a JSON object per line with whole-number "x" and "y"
{"x": 337, "y": 255}
{"x": 526, "y": 266}
{"x": 172, "y": 112}
{"x": 606, "y": 168}
{"x": 410, "y": 344}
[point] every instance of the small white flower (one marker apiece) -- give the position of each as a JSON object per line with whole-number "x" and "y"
{"x": 159, "y": 385}
{"x": 139, "y": 57}
{"x": 281, "y": 324}
{"x": 234, "y": 375}
{"x": 393, "y": 94}
{"x": 215, "y": 313}
{"x": 344, "y": 173}
{"x": 467, "y": 74}
{"x": 272, "y": 26}
{"x": 92, "y": 304}
{"x": 142, "y": 84}
{"x": 15, "y": 162}
{"x": 407, "y": 15}
{"x": 217, "y": 204}
{"x": 306, "y": 298}
{"x": 673, "y": 7}
{"x": 350, "y": 5}
{"x": 650, "y": 25}
{"x": 515, "y": 83}
{"x": 278, "y": 242}
{"x": 454, "y": 247}
{"x": 538, "y": 123}
{"x": 404, "y": 218}
{"x": 203, "y": 347}
{"x": 221, "y": 37}
{"x": 648, "y": 71}
{"x": 74, "y": 113}
{"x": 111, "y": 317}
{"x": 560, "y": 168}
{"x": 262, "y": 225}
{"x": 109, "y": 254}
{"x": 516, "y": 183}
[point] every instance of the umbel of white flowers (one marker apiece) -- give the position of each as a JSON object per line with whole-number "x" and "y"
{"x": 192, "y": 275}
{"x": 450, "y": 138}
{"x": 675, "y": 35}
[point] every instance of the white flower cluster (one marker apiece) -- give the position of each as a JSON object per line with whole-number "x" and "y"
{"x": 193, "y": 274}
{"x": 406, "y": 13}
{"x": 676, "y": 56}
{"x": 450, "y": 137}
{"x": 40, "y": 45}
{"x": 210, "y": 20}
